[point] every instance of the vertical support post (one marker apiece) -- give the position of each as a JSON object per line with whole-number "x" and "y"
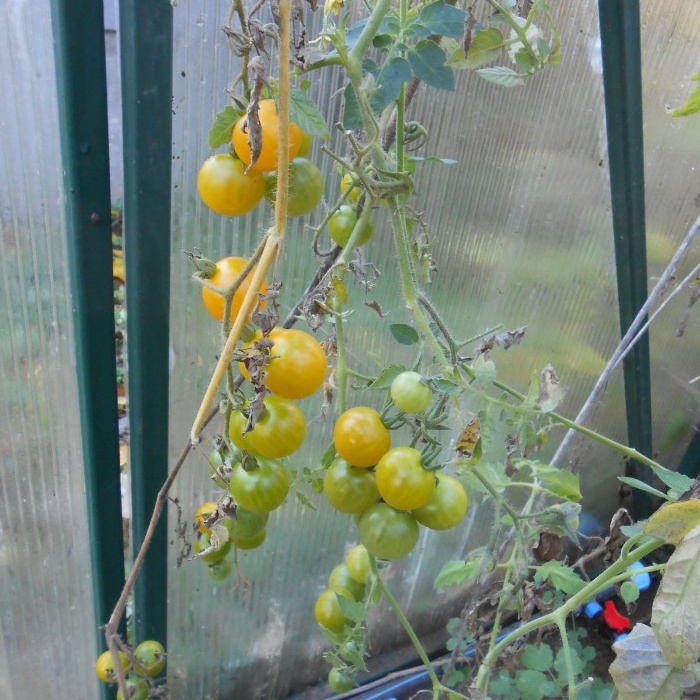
{"x": 81, "y": 80}
{"x": 146, "y": 65}
{"x": 622, "y": 75}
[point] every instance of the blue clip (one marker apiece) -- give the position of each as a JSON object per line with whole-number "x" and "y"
{"x": 642, "y": 580}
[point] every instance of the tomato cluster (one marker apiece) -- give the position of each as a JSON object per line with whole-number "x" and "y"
{"x": 144, "y": 663}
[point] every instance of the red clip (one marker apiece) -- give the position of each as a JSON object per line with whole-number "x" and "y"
{"x": 614, "y": 619}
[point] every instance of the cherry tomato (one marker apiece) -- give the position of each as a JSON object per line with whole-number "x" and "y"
{"x": 357, "y": 561}
{"x": 327, "y": 610}
{"x": 388, "y": 533}
{"x": 136, "y": 688}
{"x": 343, "y": 221}
{"x": 151, "y": 657}
{"x": 410, "y": 393}
{"x": 252, "y": 542}
{"x": 269, "y": 121}
{"x": 297, "y": 366}
{"x": 360, "y": 437}
{"x": 346, "y": 184}
{"x": 226, "y": 188}
{"x": 349, "y": 489}
{"x": 202, "y": 514}
{"x": 305, "y": 145}
{"x": 227, "y": 272}
{"x": 340, "y": 681}
{"x": 402, "y": 480}
{"x": 245, "y": 525}
{"x": 262, "y": 489}
{"x": 279, "y": 431}
{"x": 105, "y": 668}
{"x": 219, "y": 551}
{"x": 305, "y": 187}
{"x": 446, "y": 507}
{"x": 219, "y": 570}
{"x": 340, "y": 578}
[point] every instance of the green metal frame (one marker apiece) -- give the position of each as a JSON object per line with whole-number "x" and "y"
{"x": 146, "y": 66}
{"x": 622, "y": 75}
{"x": 81, "y": 79}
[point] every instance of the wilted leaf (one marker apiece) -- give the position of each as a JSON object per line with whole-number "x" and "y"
{"x": 673, "y": 521}
{"x": 642, "y": 672}
{"x": 675, "y": 615}
{"x": 551, "y": 390}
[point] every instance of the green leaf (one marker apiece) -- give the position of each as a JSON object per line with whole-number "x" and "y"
{"x": 638, "y": 484}
{"x": 442, "y": 19}
{"x": 485, "y": 47}
{"x": 306, "y": 115}
{"x": 427, "y": 61}
{"x": 679, "y": 483}
{"x": 675, "y": 616}
{"x": 533, "y": 685}
{"x": 692, "y": 104}
{"x": 673, "y": 521}
{"x": 560, "y": 576}
{"x": 629, "y": 591}
{"x": 389, "y": 78}
{"x": 561, "y": 483}
{"x": 354, "y": 611}
{"x": 560, "y": 665}
{"x": 500, "y": 75}
{"x": 304, "y": 500}
{"x": 484, "y": 369}
{"x": 352, "y": 117}
{"x": 388, "y": 374}
{"x": 403, "y": 334}
{"x": 537, "y": 657}
{"x": 456, "y": 572}
{"x": 328, "y": 456}
{"x": 220, "y": 132}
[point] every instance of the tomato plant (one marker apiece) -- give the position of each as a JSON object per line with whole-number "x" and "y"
{"x": 260, "y": 489}
{"x": 388, "y": 533}
{"x": 342, "y": 223}
{"x": 349, "y": 489}
{"x": 410, "y": 393}
{"x": 226, "y": 188}
{"x": 227, "y": 271}
{"x": 305, "y": 187}
{"x": 279, "y": 432}
{"x": 360, "y": 437}
{"x": 446, "y": 507}
{"x": 150, "y": 655}
{"x": 269, "y": 122}
{"x": 402, "y": 480}
{"x": 327, "y": 610}
{"x": 105, "y": 668}
{"x": 297, "y": 365}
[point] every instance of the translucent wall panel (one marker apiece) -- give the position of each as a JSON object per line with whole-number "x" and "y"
{"x": 523, "y": 236}
{"x": 47, "y": 629}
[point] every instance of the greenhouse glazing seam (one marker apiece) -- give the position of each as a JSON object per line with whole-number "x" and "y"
{"x": 622, "y": 76}
{"x": 79, "y": 50}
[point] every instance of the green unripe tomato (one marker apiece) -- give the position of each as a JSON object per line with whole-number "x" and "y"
{"x": 219, "y": 570}
{"x": 245, "y": 525}
{"x": 410, "y": 393}
{"x": 219, "y": 547}
{"x": 305, "y": 187}
{"x": 137, "y": 689}
{"x": 342, "y": 223}
{"x": 340, "y": 578}
{"x": 151, "y": 657}
{"x": 340, "y": 681}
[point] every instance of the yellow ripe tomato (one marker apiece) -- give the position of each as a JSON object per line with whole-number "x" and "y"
{"x": 269, "y": 121}
{"x": 226, "y": 188}
{"x": 402, "y": 480}
{"x": 346, "y": 183}
{"x": 105, "y": 668}
{"x": 328, "y": 612}
{"x": 202, "y": 513}
{"x": 297, "y": 366}
{"x": 227, "y": 272}
{"x": 360, "y": 437}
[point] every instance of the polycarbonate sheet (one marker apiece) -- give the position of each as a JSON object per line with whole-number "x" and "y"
{"x": 47, "y": 626}
{"x": 523, "y": 236}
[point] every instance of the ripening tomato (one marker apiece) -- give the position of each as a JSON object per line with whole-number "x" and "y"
{"x": 402, "y": 480}
{"x": 227, "y": 272}
{"x": 202, "y": 514}
{"x": 151, "y": 657}
{"x": 279, "y": 431}
{"x": 346, "y": 183}
{"x": 357, "y": 561}
{"x": 349, "y": 489}
{"x": 446, "y": 507}
{"x": 388, "y": 533}
{"x": 305, "y": 187}
{"x": 137, "y": 689}
{"x": 328, "y": 612}
{"x": 105, "y": 668}
{"x": 226, "y": 188}
{"x": 340, "y": 578}
{"x": 297, "y": 366}
{"x": 360, "y": 437}
{"x": 305, "y": 145}
{"x": 342, "y": 223}
{"x": 269, "y": 122}
{"x": 410, "y": 393}
{"x": 262, "y": 489}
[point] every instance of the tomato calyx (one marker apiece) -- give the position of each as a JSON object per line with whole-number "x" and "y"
{"x": 204, "y": 268}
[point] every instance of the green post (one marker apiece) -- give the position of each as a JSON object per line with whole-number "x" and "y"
{"x": 78, "y": 32}
{"x": 146, "y": 64}
{"x": 622, "y": 74}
